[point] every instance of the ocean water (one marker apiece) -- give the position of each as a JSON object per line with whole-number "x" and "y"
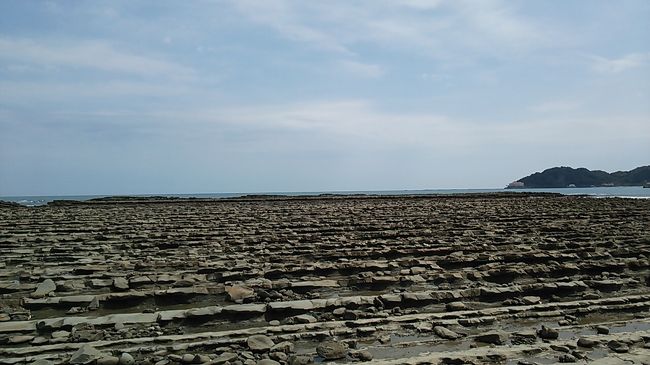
{"x": 637, "y": 192}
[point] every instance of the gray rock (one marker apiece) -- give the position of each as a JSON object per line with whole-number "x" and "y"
{"x": 39, "y": 340}
{"x": 259, "y": 343}
{"x": 201, "y": 359}
{"x": 585, "y": 342}
{"x": 88, "y": 335}
{"x": 299, "y": 360}
{"x": 42, "y": 362}
{"x": 267, "y": 362}
{"x": 108, "y": 360}
{"x": 303, "y": 318}
{"x": 618, "y": 347}
{"x": 332, "y": 350}
{"x": 278, "y": 356}
{"x": 494, "y": 337}
{"x": 602, "y": 330}
{"x": 363, "y": 355}
{"x": 187, "y": 359}
{"x": 60, "y": 334}
{"x": 446, "y": 333}
{"x": 94, "y": 304}
{"x": 366, "y": 330}
{"x": 44, "y": 288}
{"x": 121, "y": 283}
{"x": 247, "y": 309}
{"x": 548, "y": 333}
{"x": 559, "y": 348}
{"x": 238, "y": 294}
{"x": 85, "y": 355}
{"x": 14, "y": 340}
{"x": 455, "y": 306}
{"x": 126, "y": 359}
{"x": 284, "y": 346}
{"x": 567, "y": 358}
{"x": 225, "y": 357}
{"x": 531, "y": 299}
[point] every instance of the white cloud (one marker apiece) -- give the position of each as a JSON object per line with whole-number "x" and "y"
{"x": 496, "y": 21}
{"x": 97, "y": 55}
{"x": 617, "y": 65}
{"x": 281, "y": 16}
{"x": 419, "y": 4}
{"x": 555, "y": 106}
{"x": 362, "y": 123}
{"x": 30, "y": 92}
{"x": 362, "y": 69}
{"x": 436, "y": 28}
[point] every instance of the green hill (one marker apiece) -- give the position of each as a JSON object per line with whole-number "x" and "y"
{"x": 562, "y": 177}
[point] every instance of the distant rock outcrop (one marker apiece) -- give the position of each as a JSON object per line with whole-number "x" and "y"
{"x": 563, "y": 177}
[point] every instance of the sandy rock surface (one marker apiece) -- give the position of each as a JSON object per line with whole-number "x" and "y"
{"x": 493, "y": 278}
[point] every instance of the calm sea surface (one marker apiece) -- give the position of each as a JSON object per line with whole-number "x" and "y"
{"x": 622, "y": 192}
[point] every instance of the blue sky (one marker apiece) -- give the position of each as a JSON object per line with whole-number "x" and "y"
{"x": 118, "y": 97}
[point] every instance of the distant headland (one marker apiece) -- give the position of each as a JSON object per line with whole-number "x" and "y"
{"x": 568, "y": 177}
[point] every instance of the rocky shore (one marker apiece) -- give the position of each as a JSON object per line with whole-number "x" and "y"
{"x": 490, "y": 278}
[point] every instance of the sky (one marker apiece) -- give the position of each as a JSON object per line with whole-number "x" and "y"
{"x": 135, "y": 97}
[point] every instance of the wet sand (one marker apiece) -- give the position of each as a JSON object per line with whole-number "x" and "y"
{"x": 260, "y": 280}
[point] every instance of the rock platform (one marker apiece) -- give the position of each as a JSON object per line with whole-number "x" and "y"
{"x": 509, "y": 278}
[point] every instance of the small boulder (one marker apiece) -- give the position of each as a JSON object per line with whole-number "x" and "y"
{"x": 618, "y": 347}
{"x": 108, "y": 360}
{"x": 259, "y": 343}
{"x": 278, "y": 356}
{"x": 284, "y": 346}
{"x": 362, "y": 355}
{"x": 267, "y": 362}
{"x": 585, "y": 342}
{"x": 60, "y": 334}
{"x": 188, "y": 359}
{"x": 566, "y": 358}
{"x": 121, "y": 284}
{"x": 126, "y": 359}
{"x": 446, "y": 333}
{"x": 238, "y": 294}
{"x": 303, "y": 318}
{"x": 496, "y": 338}
{"x": 332, "y": 350}
{"x": 602, "y": 330}
{"x": 547, "y": 333}
{"x": 45, "y": 288}
{"x": 224, "y": 358}
{"x": 94, "y": 304}
{"x": 85, "y": 355}
{"x": 300, "y": 360}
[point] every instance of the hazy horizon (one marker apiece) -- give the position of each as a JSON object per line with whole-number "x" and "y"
{"x": 162, "y": 97}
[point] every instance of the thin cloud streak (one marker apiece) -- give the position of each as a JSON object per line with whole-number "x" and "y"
{"x": 97, "y": 55}
{"x": 621, "y": 64}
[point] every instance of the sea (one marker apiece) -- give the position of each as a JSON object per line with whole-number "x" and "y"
{"x": 633, "y": 192}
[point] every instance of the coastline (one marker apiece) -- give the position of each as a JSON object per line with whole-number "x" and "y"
{"x": 618, "y": 192}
